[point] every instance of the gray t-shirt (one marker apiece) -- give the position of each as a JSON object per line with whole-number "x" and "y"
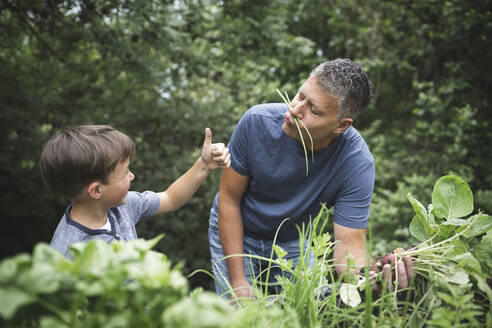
{"x": 122, "y": 219}
{"x": 341, "y": 175}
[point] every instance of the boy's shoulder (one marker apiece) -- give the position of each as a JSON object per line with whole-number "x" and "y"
{"x": 67, "y": 234}
{"x": 140, "y": 204}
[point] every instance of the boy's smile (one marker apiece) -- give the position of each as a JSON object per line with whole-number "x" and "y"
{"x": 116, "y": 189}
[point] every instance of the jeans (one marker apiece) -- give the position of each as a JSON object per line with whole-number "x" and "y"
{"x": 253, "y": 268}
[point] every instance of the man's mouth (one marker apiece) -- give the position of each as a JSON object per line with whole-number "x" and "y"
{"x": 288, "y": 119}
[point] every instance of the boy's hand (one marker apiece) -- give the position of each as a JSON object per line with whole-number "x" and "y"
{"x": 215, "y": 155}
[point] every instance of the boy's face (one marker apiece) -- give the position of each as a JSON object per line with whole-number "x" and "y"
{"x": 116, "y": 189}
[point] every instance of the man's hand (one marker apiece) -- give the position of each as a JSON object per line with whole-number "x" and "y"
{"x": 402, "y": 273}
{"x": 396, "y": 275}
{"x": 242, "y": 290}
{"x": 214, "y": 155}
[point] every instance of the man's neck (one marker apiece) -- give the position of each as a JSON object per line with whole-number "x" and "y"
{"x": 322, "y": 144}
{"x": 88, "y": 215}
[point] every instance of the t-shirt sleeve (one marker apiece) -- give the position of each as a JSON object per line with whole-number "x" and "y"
{"x": 238, "y": 144}
{"x": 352, "y": 205}
{"x": 142, "y": 204}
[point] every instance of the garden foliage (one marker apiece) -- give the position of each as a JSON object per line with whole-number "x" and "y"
{"x": 161, "y": 71}
{"x": 126, "y": 284}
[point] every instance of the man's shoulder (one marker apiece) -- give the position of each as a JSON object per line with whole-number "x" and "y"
{"x": 354, "y": 141}
{"x": 271, "y": 110}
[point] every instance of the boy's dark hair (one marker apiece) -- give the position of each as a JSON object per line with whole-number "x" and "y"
{"x": 81, "y": 154}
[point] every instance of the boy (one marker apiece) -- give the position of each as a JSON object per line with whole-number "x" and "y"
{"x": 89, "y": 164}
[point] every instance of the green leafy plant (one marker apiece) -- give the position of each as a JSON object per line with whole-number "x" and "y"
{"x": 286, "y": 100}
{"x": 451, "y": 264}
{"x": 451, "y": 259}
{"x": 126, "y": 284}
{"x": 122, "y": 284}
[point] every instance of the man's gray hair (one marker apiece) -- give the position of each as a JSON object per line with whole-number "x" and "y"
{"x": 346, "y": 81}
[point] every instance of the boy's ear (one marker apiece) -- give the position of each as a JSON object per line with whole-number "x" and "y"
{"x": 345, "y": 123}
{"x": 95, "y": 190}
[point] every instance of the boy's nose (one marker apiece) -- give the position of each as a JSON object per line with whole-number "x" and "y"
{"x": 132, "y": 176}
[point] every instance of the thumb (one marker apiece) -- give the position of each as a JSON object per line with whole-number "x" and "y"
{"x": 208, "y": 137}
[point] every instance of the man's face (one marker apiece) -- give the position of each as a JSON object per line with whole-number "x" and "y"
{"x": 318, "y": 111}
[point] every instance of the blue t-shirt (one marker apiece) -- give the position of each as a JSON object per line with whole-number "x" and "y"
{"x": 342, "y": 176}
{"x": 122, "y": 219}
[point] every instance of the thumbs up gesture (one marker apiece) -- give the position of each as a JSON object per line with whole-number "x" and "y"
{"x": 215, "y": 155}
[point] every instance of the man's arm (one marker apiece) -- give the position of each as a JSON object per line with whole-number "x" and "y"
{"x": 180, "y": 191}
{"x": 232, "y": 187}
{"x": 349, "y": 242}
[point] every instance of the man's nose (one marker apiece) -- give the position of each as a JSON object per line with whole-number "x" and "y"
{"x": 298, "y": 109}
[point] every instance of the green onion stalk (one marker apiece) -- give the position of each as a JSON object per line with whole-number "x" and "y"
{"x": 286, "y": 100}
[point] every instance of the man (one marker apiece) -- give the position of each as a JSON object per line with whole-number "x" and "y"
{"x": 266, "y": 193}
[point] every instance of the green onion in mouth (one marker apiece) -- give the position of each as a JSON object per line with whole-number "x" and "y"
{"x": 296, "y": 121}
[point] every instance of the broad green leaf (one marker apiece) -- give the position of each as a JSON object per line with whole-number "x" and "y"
{"x": 447, "y": 298}
{"x": 44, "y": 253}
{"x": 40, "y": 278}
{"x": 459, "y": 276}
{"x": 452, "y": 198}
{"x": 417, "y": 228}
{"x": 482, "y": 285}
{"x": 350, "y": 295}
{"x": 480, "y": 224}
{"x": 417, "y": 206}
{"x": 430, "y": 217}
{"x": 11, "y": 299}
{"x": 469, "y": 262}
{"x": 455, "y": 222}
{"x": 445, "y": 231}
{"x": 146, "y": 245}
{"x": 125, "y": 251}
{"x": 198, "y": 311}
{"x": 421, "y": 215}
{"x": 460, "y": 246}
{"x": 9, "y": 267}
{"x": 92, "y": 257}
{"x": 483, "y": 252}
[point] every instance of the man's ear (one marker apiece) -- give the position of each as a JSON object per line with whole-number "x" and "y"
{"x": 95, "y": 190}
{"x": 344, "y": 124}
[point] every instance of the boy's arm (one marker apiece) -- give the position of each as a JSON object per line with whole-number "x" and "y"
{"x": 180, "y": 191}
